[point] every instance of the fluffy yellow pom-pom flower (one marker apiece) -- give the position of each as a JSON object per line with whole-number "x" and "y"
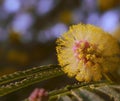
{"x": 87, "y": 52}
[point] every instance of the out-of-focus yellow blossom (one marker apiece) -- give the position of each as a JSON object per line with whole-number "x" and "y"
{"x": 108, "y": 4}
{"x": 14, "y": 37}
{"x": 17, "y": 56}
{"x": 87, "y": 52}
{"x": 66, "y": 17}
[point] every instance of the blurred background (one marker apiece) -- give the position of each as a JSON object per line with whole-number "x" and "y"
{"x": 29, "y": 28}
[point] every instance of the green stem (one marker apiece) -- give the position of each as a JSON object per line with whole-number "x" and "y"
{"x": 38, "y": 77}
{"x": 65, "y": 90}
{"x": 22, "y": 74}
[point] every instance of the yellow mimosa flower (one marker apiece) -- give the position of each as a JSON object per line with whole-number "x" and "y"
{"x": 87, "y": 52}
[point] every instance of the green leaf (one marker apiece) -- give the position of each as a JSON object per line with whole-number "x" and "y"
{"x": 94, "y": 91}
{"x": 110, "y": 92}
{"x": 22, "y": 74}
{"x": 30, "y": 76}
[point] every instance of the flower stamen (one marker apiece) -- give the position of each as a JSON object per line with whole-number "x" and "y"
{"x": 85, "y": 51}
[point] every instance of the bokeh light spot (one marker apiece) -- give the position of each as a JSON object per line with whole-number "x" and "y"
{"x": 11, "y": 6}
